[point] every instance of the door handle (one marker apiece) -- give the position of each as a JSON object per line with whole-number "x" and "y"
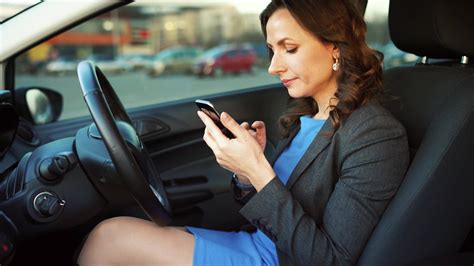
{"x": 149, "y": 126}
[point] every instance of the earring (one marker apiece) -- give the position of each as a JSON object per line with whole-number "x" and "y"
{"x": 335, "y": 66}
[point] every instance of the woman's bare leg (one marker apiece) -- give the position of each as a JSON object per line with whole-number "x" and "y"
{"x": 132, "y": 241}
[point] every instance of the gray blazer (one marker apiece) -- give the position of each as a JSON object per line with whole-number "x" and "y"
{"x": 337, "y": 192}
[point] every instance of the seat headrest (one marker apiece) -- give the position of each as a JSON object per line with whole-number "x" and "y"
{"x": 433, "y": 28}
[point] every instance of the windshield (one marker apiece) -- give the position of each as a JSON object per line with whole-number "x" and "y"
{"x": 10, "y": 8}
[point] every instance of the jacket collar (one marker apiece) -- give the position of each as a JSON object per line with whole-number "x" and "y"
{"x": 281, "y": 145}
{"x": 314, "y": 149}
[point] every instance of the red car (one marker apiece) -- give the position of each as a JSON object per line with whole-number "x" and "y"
{"x": 225, "y": 59}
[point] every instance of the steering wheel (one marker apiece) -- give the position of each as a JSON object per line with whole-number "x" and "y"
{"x": 131, "y": 159}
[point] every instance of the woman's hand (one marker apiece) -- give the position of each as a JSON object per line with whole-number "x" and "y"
{"x": 243, "y": 154}
{"x": 258, "y": 132}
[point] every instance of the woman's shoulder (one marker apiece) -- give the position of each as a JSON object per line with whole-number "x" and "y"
{"x": 371, "y": 115}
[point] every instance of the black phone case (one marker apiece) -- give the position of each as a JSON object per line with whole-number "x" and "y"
{"x": 208, "y": 108}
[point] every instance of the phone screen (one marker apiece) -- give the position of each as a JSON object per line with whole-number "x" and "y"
{"x": 208, "y": 108}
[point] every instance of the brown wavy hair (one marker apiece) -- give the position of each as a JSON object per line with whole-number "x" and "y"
{"x": 359, "y": 78}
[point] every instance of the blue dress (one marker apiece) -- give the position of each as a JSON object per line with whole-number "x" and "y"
{"x": 212, "y": 247}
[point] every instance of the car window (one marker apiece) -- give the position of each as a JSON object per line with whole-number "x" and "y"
{"x": 153, "y": 52}
{"x": 378, "y": 36}
{"x": 233, "y": 53}
{"x": 160, "y": 51}
{"x": 213, "y": 52}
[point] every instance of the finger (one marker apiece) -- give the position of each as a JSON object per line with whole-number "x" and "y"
{"x": 252, "y": 132}
{"x": 249, "y": 129}
{"x": 218, "y": 137}
{"x": 232, "y": 125}
{"x": 258, "y": 124}
{"x": 214, "y": 130}
{"x": 245, "y": 125}
{"x": 210, "y": 141}
{"x": 261, "y": 133}
{"x": 208, "y": 135}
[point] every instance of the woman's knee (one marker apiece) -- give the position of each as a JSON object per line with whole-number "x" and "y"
{"x": 127, "y": 239}
{"x": 110, "y": 230}
{"x": 106, "y": 238}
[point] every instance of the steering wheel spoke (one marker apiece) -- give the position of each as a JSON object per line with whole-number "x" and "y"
{"x": 123, "y": 144}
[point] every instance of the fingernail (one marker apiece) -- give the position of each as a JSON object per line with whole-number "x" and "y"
{"x": 224, "y": 116}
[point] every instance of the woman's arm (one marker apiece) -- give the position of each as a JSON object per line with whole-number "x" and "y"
{"x": 373, "y": 163}
{"x": 238, "y": 155}
{"x": 241, "y": 194}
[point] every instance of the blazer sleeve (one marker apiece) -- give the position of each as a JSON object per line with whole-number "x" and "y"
{"x": 373, "y": 158}
{"x": 242, "y": 197}
{"x": 239, "y": 195}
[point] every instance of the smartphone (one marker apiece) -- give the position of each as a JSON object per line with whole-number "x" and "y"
{"x": 208, "y": 108}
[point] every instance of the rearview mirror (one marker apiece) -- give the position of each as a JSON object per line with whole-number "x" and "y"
{"x": 38, "y": 105}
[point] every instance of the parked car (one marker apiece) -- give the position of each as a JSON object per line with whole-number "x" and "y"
{"x": 110, "y": 64}
{"x": 225, "y": 59}
{"x": 176, "y": 60}
{"x": 137, "y": 61}
{"x": 62, "y": 66}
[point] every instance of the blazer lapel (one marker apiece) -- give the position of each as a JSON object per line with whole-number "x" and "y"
{"x": 314, "y": 149}
{"x": 281, "y": 145}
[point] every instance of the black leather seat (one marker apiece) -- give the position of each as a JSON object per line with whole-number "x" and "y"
{"x": 433, "y": 212}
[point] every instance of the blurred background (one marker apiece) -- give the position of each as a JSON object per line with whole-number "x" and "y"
{"x": 159, "y": 51}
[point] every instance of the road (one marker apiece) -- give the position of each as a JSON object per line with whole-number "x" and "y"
{"x": 138, "y": 89}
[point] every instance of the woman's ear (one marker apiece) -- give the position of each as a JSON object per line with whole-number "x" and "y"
{"x": 335, "y": 52}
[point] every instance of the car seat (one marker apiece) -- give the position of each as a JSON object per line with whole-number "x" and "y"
{"x": 432, "y": 213}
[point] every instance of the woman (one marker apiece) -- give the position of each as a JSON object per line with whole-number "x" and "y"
{"x": 339, "y": 164}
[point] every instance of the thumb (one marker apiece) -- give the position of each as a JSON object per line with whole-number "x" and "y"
{"x": 231, "y": 125}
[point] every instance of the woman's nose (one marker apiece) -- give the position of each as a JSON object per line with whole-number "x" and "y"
{"x": 276, "y": 67}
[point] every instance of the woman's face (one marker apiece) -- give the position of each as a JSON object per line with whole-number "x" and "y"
{"x": 302, "y": 61}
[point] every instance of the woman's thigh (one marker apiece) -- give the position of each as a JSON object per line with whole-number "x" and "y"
{"x": 127, "y": 240}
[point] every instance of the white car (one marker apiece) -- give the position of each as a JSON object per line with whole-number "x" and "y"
{"x": 61, "y": 66}
{"x": 109, "y": 64}
{"x": 174, "y": 60}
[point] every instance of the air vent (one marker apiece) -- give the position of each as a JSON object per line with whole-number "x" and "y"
{"x": 26, "y": 134}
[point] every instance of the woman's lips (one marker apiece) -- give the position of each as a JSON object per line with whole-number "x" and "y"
{"x": 288, "y": 82}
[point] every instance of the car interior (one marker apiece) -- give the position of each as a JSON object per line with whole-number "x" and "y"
{"x": 431, "y": 215}
{"x": 58, "y": 180}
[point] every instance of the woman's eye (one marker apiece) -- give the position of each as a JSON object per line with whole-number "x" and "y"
{"x": 291, "y": 51}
